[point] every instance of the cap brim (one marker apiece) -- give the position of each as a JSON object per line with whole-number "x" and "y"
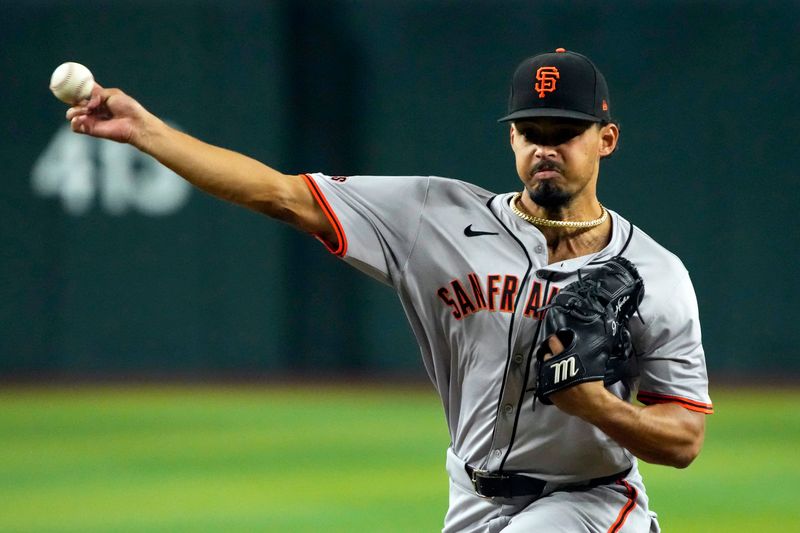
{"x": 549, "y": 112}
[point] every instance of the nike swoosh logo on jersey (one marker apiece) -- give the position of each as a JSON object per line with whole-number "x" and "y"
{"x": 469, "y": 232}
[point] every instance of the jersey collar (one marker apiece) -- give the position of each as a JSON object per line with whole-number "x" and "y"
{"x": 620, "y": 232}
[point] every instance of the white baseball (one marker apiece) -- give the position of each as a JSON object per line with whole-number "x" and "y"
{"x": 71, "y": 83}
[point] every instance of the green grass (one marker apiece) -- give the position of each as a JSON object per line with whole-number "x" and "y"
{"x": 327, "y": 459}
{"x": 748, "y": 476}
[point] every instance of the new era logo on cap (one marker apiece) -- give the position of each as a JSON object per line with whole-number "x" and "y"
{"x": 558, "y": 84}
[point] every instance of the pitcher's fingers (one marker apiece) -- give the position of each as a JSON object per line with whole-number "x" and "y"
{"x": 556, "y": 347}
{"x": 78, "y": 124}
{"x": 87, "y": 106}
{"x": 97, "y": 96}
{"x": 76, "y": 111}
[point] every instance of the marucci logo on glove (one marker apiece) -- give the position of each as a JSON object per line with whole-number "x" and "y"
{"x": 564, "y": 369}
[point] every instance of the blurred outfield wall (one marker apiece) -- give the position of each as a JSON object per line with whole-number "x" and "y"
{"x": 111, "y": 266}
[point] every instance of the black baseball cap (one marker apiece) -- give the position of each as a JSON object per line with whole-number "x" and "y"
{"x": 558, "y": 84}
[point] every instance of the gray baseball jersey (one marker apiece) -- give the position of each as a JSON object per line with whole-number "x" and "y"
{"x": 472, "y": 278}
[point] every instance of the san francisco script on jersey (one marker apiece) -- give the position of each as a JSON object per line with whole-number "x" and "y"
{"x": 498, "y": 292}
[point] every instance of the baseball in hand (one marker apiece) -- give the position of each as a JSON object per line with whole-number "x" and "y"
{"x": 71, "y": 83}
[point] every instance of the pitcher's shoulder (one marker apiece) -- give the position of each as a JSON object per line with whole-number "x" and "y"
{"x": 451, "y": 187}
{"x": 653, "y": 260}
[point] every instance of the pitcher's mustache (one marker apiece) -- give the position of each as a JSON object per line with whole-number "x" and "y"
{"x": 545, "y": 165}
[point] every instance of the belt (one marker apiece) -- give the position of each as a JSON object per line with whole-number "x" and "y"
{"x": 509, "y": 485}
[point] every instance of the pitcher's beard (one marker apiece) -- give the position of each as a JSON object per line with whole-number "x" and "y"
{"x": 549, "y": 196}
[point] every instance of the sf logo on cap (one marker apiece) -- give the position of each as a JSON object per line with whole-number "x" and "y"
{"x": 547, "y": 77}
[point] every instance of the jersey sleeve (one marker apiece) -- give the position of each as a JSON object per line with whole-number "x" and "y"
{"x": 671, "y": 357}
{"x": 376, "y": 218}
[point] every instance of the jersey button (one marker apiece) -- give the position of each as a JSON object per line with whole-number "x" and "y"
{"x": 508, "y": 408}
{"x": 539, "y": 248}
{"x": 518, "y": 358}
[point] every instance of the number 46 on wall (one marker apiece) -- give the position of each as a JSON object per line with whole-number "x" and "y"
{"x": 79, "y": 170}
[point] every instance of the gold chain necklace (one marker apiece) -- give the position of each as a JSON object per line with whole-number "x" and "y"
{"x": 536, "y": 221}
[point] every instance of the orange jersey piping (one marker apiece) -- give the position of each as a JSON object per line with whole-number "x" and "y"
{"x": 649, "y": 398}
{"x": 341, "y": 248}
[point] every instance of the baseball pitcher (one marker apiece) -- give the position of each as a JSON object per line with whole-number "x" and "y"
{"x": 540, "y": 313}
